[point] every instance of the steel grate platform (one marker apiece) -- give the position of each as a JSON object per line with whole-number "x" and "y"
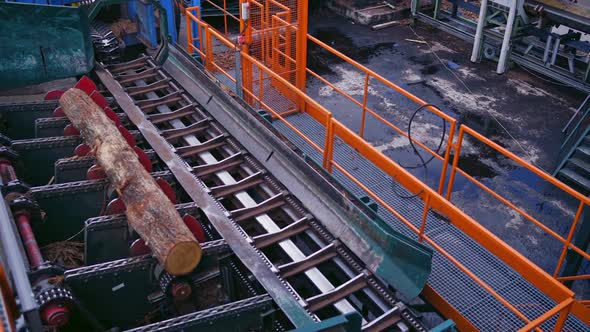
{"x": 483, "y": 310}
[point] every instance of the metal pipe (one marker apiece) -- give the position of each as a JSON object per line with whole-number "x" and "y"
{"x": 17, "y": 268}
{"x": 481, "y": 22}
{"x": 23, "y": 221}
{"x": 507, "y": 37}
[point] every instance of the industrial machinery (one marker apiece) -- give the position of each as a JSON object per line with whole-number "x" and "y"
{"x": 291, "y": 239}
{"x": 272, "y": 260}
{"x": 549, "y": 37}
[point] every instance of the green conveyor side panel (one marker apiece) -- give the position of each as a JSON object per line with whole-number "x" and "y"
{"x": 39, "y": 43}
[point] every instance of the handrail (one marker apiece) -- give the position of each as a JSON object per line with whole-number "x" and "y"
{"x": 585, "y": 107}
{"x": 584, "y": 115}
{"x": 382, "y": 79}
{"x": 562, "y": 308}
{"x": 457, "y": 147}
{"x": 433, "y": 200}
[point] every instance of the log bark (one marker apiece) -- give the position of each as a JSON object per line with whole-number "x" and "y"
{"x": 149, "y": 212}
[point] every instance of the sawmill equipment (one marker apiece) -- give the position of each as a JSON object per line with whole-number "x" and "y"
{"x": 549, "y": 37}
{"x": 285, "y": 204}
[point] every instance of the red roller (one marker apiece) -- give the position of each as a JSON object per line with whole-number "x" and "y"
{"x": 53, "y": 95}
{"x": 70, "y": 130}
{"x": 28, "y": 238}
{"x": 85, "y": 84}
{"x": 55, "y": 314}
{"x": 99, "y": 99}
{"x": 127, "y": 136}
{"x": 113, "y": 116}
{"x": 95, "y": 173}
{"x": 116, "y": 206}
{"x": 167, "y": 189}
{"x": 7, "y": 171}
{"x": 82, "y": 150}
{"x": 59, "y": 113}
{"x": 181, "y": 291}
{"x": 139, "y": 248}
{"x": 195, "y": 227}
{"x": 143, "y": 159}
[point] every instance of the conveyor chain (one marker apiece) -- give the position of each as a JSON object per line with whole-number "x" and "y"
{"x": 293, "y": 244}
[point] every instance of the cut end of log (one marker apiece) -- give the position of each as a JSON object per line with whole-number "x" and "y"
{"x": 183, "y": 258}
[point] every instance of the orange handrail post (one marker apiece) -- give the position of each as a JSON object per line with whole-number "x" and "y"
{"x": 569, "y": 239}
{"x": 457, "y": 146}
{"x": 562, "y": 308}
{"x": 563, "y": 315}
{"x": 424, "y": 217}
{"x": 445, "y": 166}
{"x": 364, "y": 112}
{"x": 329, "y": 144}
{"x": 260, "y": 83}
{"x": 225, "y": 16}
{"x": 189, "y": 33}
{"x": 200, "y": 31}
{"x": 208, "y": 50}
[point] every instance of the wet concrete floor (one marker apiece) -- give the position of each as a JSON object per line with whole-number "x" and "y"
{"x": 517, "y": 110}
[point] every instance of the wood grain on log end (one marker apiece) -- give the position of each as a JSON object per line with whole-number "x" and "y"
{"x": 183, "y": 258}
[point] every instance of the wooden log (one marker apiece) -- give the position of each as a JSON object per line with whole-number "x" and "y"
{"x": 149, "y": 212}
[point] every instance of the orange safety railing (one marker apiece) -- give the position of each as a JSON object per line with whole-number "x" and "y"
{"x": 221, "y": 5}
{"x": 583, "y": 200}
{"x": 368, "y": 76}
{"x": 455, "y": 149}
{"x": 433, "y": 200}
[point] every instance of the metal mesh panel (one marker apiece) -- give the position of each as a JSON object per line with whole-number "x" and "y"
{"x": 270, "y": 38}
{"x": 470, "y": 299}
{"x": 223, "y": 63}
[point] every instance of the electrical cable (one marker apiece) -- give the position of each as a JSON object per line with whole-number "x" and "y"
{"x": 424, "y": 163}
{"x": 471, "y": 93}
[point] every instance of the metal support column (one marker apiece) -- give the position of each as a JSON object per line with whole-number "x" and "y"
{"x": 195, "y": 25}
{"x": 507, "y": 38}
{"x": 18, "y": 270}
{"x": 170, "y": 11}
{"x": 414, "y": 8}
{"x": 481, "y": 24}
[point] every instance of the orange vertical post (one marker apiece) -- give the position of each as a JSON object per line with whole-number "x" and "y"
{"x": 569, "y": 238}
{"x": 189, "y": 34}
{"x": 329, "y": 144}
{"x": 301, "y": 49}
{"x": 562, "y": 318}
{"x": 424, "y": 217}
{"x": 457, "y": 148}
{"x": 208, "y": 50}
{"x": 364, "y": 114}
{"x": 445, "y": 167}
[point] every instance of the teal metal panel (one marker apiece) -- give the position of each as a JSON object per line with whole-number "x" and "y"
{"x": 446, "y": 326}
{"x": 40, "y": 43}
{"x": 346, "y": 323}
{"x": 406, "y": 263}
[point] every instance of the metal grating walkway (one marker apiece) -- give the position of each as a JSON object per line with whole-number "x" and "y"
{"x": 483, "y": 310}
